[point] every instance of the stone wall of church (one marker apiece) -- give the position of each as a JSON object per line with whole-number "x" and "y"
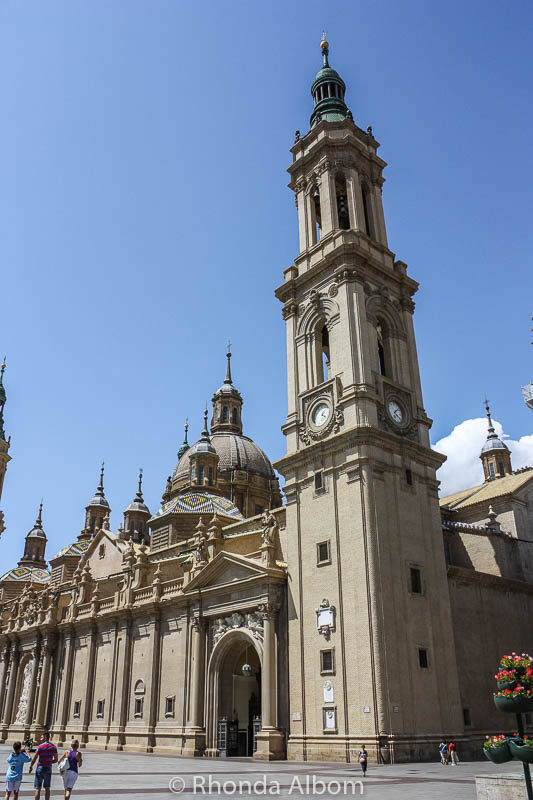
{"x": 491, "y": 616}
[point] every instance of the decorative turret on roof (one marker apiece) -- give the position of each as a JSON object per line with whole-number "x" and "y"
{"x": 328, "y": 91}
{"x": 137, "y": 515}
{"x": 96, "y": 510}
{"x": 495, "y": 455}
{"x": 227, "y": 404}
{"x": 35, "y": 545}
{"x": 203, "y": 461}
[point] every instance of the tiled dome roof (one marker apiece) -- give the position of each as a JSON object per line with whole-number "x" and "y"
{"x": 33, "y": 574}
{"x": 235, "y": 451}
{"x": 200, "y": 503}
{"x": 74, "y": 549}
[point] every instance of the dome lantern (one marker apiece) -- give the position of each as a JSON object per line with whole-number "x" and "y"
{"x": 328, "y": 92}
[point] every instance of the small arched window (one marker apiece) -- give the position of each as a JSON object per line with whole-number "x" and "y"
{"x": 367, "y": 210}
{"x": 93, "y": 524}
{"x": 316, "y": 212}
{"x": 139, "y": 687}
{"x": 201, "y": 474}
{"x": 224, "y": 414}
{"x": 234, "y": 416}
{"x": 193, "y": 473}
{"x": 210, "y": 476}
{"x": 342, "y": 203}
{"x": 382, "y": 361}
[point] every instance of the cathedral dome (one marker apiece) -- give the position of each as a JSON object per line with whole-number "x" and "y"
{"x": 200, "y": 503}
{"x": 235, "y": 451}
{"x": 30, "y": 574}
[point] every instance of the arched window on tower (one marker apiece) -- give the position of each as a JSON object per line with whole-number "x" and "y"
{"x": 367, "y": 210}
{"x": 322, "y": 352}
{"x": 381, "y": 350}
{"x": 234, "y": 416}
{"x": 201, "y": 475}
{"x": 342, "y": 203}
{"x": 316, "y": 214}
{"x": 224, "y": 413}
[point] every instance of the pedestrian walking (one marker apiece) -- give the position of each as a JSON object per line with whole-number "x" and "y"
{"x": 16, "y": 761}
{"x": 453, "y": 754}
{"x": 443, "y": 753}
{"x": 45, "y": 755}
{"x": 363, "y": 759}
{"x": 74, "y": 761}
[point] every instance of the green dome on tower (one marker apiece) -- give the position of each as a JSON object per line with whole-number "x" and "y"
{"x": 328, "y": 92}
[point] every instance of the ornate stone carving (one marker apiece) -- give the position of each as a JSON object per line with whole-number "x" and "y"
{"x": 289, "y": 309}
{"x": 252, "y": 621}
{"x": 269, "y": 527}
{"x": 24, "y": 701}
{"x": 325, "y": 618}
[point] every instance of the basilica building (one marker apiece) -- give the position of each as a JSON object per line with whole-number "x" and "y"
{"x": 357, "y": 608}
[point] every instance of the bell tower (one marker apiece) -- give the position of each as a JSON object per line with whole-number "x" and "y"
{"x": 371, "y": 648}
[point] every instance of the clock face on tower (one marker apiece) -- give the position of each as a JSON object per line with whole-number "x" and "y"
{"x": 321, "y": 414}
{"x": 396, "y": 411}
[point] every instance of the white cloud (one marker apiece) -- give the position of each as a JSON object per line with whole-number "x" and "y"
{"x": 462, "y": 447}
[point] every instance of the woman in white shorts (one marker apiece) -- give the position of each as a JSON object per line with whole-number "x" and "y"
{"x": 70, "y": 775}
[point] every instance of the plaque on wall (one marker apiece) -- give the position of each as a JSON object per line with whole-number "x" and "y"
{"x": 328, "y": 692}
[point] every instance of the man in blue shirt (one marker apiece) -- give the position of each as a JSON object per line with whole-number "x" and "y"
{"x": 16, "y": 761}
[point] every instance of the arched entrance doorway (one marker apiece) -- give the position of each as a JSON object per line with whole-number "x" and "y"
{"x": 234, "y": 695}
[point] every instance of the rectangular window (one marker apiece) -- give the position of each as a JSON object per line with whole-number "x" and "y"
{"x": 77, "y": 708}
{"x": 139, "y": 702}
{"x": 170, "y": 705}
{"x": 409, "y": 477}
{"x": 501, "y": 469}
{"x": 201, "y": 475}
{"x": 467, "y": 719}
{"x": 416, "y": 580}
{"x": 323, "y": 555}
{"x": 319, "y": 481}
{"x": 423, "y": 658}
{"x": 210, "y": 479}
{"x": 100, "y": 708}
{"x": 492, "y": 471}
{"x": 327, "y": 662}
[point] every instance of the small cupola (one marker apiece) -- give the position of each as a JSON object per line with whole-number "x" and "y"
{"x": 136, "y": 516}
{"x": 227, "y": 405}
{"x": 328, "y": 92}
{"x": 35, "y": 545}
{"x": 495, "y": 455}
{"x": 96, "y": 510}
{"x": 204, "y": 461}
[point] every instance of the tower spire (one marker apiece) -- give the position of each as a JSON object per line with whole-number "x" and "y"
{"x": 492, "y": 432}
{"x": 324, "y": 46}
{"x": 205, "y": 432}
{"x": 139, "y": 496}
{"x": 227, "y": 379}
{"x": 39, "y": 520}
{"x": 2, "y": 399}
{"x": 184, "y": 446}
{"x": 100, "y": 488}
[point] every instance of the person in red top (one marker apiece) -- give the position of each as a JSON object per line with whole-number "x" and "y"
{"x": 47, "y": 754}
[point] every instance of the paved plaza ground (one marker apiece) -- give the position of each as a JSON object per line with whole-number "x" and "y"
{"x": 107, "y": 775}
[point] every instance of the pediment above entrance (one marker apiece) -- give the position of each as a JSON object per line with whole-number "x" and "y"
{"x": 229, "y": 568}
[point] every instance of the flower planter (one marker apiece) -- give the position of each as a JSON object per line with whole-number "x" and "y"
{"x": 514, "y": 705}
{"x": 507, "y": 685}
{"x": 499, "y": 754}
{"x": 522, "y": 752}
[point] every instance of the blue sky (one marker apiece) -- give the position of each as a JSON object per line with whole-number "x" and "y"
{"x": 145, "y": 219}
